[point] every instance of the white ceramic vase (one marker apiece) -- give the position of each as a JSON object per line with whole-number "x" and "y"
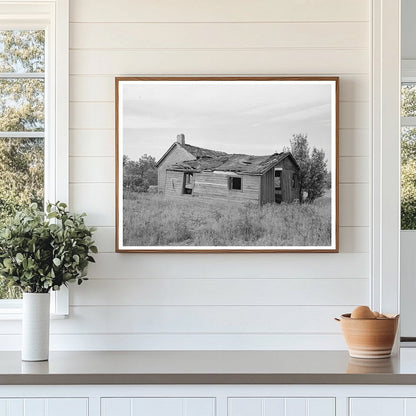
{"x": 35, "y": 326}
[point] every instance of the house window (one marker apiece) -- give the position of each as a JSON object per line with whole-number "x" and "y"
{"x": 236, "y": 183}
{"x": 188, "y": 183}
{"x": 33, "y": 114}
{"x": 277, "y": 179}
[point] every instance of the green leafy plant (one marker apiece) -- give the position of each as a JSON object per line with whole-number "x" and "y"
{"x": 43, "y": 251}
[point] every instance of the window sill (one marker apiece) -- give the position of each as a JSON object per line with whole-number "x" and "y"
{"x": 12, "y": 309}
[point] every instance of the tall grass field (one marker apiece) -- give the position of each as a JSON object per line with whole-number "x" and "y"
{"x": 153, "y": 220}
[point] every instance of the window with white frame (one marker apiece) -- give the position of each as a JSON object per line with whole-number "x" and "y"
{"x": 33, "y": 113}
{"x": 408, "y": 151}
{"x": 22, "y": 125}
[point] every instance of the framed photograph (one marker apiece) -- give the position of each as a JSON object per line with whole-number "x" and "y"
{"x": 227, "y": 164}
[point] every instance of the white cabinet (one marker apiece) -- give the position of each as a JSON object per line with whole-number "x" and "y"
{"x": 377, "y": 407}
{"x": 44, "y": 407}
{"x": 208, "y": 400}
{"x": 382, "y": 406}
{"x": 146, "y": 406}
{"x": 281, "y": 406}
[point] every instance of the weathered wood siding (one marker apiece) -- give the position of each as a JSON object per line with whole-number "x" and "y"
{"x": 289, "y": 193}
{"x": 176, "y": 155}
{"x": 215, "y": 186}
{"x": 267, "y": 187}
{"x": 174, "y": 184}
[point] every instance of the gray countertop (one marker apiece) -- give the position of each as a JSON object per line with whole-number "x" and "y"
{"x": 207, "y": 367}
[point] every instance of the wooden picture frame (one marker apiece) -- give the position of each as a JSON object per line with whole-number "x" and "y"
{"x": 227, "y": 164}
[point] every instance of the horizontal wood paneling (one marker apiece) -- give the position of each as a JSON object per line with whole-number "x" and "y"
{"x": 166, "y": 341}
{"x": 299, "y": 37}
{"x": 201, "y": 319}
{"x": 93, "y": 143}
{"x": 222, "y": 61}
{"x": 88, "y": 169}
{"x": 218, "y": 35}
{"x": 101, "y": 88}
{"x": 221, "y": 291}
{"x": 218, "y": 11}
{"x": 96, "y": 199}
{"x": 353, "y": 115}
{"x": 105, "y": 239}
{"x": 199, "y": 266}
{"x": 92, "y": 115}
{"x": 354, "y": 205}
{"x": 354, "y": 142}
{"x": 354, "y": 169}
{"x": 194, "y": 320}
{"x": 92, "y": 88}
{"x": 354, "y": 88}
{"x": 352, "y": 239}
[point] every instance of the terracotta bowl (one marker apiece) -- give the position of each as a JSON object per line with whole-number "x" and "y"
{"x": 369, "y": 338}
{"x": 369, "y": 366}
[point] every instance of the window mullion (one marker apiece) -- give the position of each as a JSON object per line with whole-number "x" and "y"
{"x": 408, "y": 121}
{"x": 22, "y": 75}
{"x": 22, "y": 134}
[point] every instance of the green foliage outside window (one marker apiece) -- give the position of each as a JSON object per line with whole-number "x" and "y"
{"x": 408, "y": 160}
{"x": 21, "y": 110}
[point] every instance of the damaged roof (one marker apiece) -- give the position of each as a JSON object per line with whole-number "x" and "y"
{"x": 199, "y": 152}
{"x": 210, "y": 160}
{"x": 195, "y": 151}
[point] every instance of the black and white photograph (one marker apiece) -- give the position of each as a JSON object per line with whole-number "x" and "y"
{"x": 227, "y": 164}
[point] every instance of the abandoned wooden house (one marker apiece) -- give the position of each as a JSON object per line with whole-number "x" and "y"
{"x": 186, "y": 170}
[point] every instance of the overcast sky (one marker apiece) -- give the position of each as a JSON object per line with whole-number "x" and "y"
{"x": 256, "y": 118}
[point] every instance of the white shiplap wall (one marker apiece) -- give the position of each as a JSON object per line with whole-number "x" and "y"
{"x": 218, "y": 301}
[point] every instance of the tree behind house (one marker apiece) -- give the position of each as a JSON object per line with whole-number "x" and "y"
{"x": 313, "y": 167}
{"x": 139, "y": 175}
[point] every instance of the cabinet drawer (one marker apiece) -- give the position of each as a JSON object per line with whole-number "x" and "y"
{"x": 44, "y": 407}
{"x": 382, "y": 406}
{"x": 280, "y": 406}
{"x": 160, "y": 406}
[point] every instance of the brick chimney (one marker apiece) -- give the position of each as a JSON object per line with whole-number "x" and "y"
{"x": 180, "y": 138}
